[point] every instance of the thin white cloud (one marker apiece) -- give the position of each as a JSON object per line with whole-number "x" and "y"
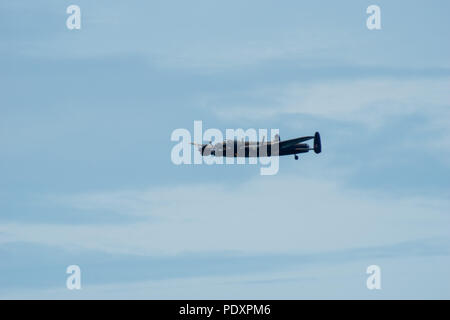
{"x": 266, "y": 215}
{"x": 363, "y": 100}
{"x": 367, "y": 101}
{"x": 409, "y": 278}
{"x": 204, "y": 39}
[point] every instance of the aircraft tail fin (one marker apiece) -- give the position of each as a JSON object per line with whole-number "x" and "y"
{"x": 317, "y": 143}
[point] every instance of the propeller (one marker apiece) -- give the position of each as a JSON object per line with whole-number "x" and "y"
{"x": 202, "y": 147}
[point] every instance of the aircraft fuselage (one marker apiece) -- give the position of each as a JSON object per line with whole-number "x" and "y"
{"x": 235, "y": 148}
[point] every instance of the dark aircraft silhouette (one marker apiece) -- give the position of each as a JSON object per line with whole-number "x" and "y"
{"x": 234, "y": 148}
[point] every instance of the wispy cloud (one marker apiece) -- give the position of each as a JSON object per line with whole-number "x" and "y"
{"x": 276, "y": 274}
{"x": 364, "y": 100}
{"x": 304, "y": 215}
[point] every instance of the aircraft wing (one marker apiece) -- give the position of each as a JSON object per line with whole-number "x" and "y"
{"x": 196, "y": 144}
{"x": 292, "y": 142}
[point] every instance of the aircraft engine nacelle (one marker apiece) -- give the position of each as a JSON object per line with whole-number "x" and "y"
{"x": 207, "y": 150}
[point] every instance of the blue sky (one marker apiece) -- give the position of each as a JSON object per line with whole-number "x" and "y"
{"x": 85, "y": 171}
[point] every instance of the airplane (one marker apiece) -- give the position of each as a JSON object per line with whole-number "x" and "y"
{"x": 235, "y": 148}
